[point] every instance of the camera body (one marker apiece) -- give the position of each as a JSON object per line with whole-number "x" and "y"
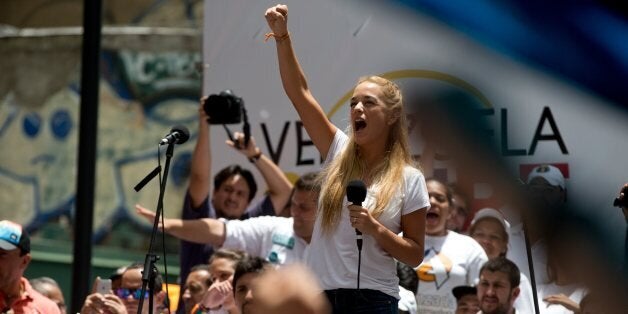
{"x": 622, "y": 202}
{"x": 224, "y": 108}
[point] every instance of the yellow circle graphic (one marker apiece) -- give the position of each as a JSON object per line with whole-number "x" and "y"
{"x": 435, "y": 75}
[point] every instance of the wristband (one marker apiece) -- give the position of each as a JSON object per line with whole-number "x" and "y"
{"x": 255, "y": 157}
{"x": 277, "y": 38}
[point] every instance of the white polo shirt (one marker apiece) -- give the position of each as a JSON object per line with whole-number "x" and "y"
{"x": 268, "y": 237}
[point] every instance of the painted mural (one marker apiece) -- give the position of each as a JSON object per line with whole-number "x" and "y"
{"x": 142, "y": 95}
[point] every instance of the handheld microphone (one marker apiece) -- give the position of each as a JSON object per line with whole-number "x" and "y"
{"x": 179, "y": 134}
{"x": 356, "y": 193}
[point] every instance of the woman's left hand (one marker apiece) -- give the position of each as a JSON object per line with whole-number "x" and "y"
{"x": 362, "y": 220}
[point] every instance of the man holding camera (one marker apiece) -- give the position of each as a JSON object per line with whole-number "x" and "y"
{"x": 234, "y": 188}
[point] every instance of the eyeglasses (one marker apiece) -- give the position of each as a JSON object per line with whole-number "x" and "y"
{"x": 124, "y": 293}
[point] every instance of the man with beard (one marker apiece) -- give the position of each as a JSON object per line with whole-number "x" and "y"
{"x": 498, "y": 287}
{"x": 16, "y": 293}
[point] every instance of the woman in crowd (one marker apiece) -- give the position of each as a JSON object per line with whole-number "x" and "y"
{"x": 451, "y": 259}
{"x": 561, "y": 295}
{"x": 491, "y": 230}
{"x": 219, "y": 297}
{"x": 374, "y": 150}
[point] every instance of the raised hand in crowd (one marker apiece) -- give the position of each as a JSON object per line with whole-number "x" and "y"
{"x": 102, "y": 301}
{"x": 219, "y": 294}
{"x": 279, "y": 187}
{"x": 206, "y": 230}
{"x": 103, "y": 304}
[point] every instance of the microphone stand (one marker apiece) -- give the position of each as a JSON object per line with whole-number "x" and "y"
{"x": 150, "y": 271}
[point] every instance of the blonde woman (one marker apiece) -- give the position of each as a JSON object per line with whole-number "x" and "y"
{"x": 375, "y": 150}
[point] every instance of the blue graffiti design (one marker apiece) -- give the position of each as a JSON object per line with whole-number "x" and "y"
{"x": 7, "y": 122}
{"x": 181, "y": 168}
{"x": 61, "y": 123}
{"x": 31, "y": 124}
{"x": 45, "y": 158}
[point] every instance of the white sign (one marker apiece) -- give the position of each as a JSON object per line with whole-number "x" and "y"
{"x": 537, "y": 118}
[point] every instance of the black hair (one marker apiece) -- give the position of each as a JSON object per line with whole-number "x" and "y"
{"x": 504, "y": 265}
{"x": 448, "y": 191}
{"x": 201, "y": 267}
{"x": 308, "y": 182}
{"x": 232, "y": 170}
{"x": 407, "y": 277}
{"x": 247, "y": 265}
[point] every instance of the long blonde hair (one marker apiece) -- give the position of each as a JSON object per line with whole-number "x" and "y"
{"x": 350, "y": 166}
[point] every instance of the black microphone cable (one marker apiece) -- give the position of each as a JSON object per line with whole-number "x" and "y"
{"x": 356, "y": 193}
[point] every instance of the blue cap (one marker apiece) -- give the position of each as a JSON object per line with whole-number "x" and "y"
{"x": 12, "y": 236}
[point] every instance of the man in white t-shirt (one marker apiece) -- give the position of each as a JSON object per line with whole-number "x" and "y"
{"x": 279, "y": 240}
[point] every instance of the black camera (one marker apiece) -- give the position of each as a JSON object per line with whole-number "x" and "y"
{"x": 224, "y": 108}
{"x": 622, "y": 202}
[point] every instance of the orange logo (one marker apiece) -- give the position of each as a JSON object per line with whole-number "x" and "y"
{"x": 436, "y": 270}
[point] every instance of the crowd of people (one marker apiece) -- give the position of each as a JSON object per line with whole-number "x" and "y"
{"x": 422, "y": 249}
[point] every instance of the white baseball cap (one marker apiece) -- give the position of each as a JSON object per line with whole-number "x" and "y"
{"x": 550, "y": 173}
{"x": 491, "y": 213}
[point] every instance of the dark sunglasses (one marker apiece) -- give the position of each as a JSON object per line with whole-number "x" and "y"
{"x": 124, "y": 293}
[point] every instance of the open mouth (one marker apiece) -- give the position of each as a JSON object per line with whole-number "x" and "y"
{"x": 359, "y": 125}
{"x": 432, "y": 217}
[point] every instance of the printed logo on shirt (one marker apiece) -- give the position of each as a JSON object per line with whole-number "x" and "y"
{"x": 283, "y": 240}
{"x": 273, "y": 257}
{"x": 435, "y": 269}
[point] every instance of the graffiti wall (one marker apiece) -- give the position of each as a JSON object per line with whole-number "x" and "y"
{"x": 142, "y": 95}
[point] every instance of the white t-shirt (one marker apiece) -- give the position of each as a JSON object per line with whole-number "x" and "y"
{"x": 518, "y": 254}
{"x": 517, "y": 249}
{"x": 334, "y": 257}
{"x": 450, "y": 261}
{"x": 575, "y": 293}
{"x": 524, "y": 303}
{"x": 408, "y": 301}
{"x": 221, "y": 310}
{"x": 268, "y": 237}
